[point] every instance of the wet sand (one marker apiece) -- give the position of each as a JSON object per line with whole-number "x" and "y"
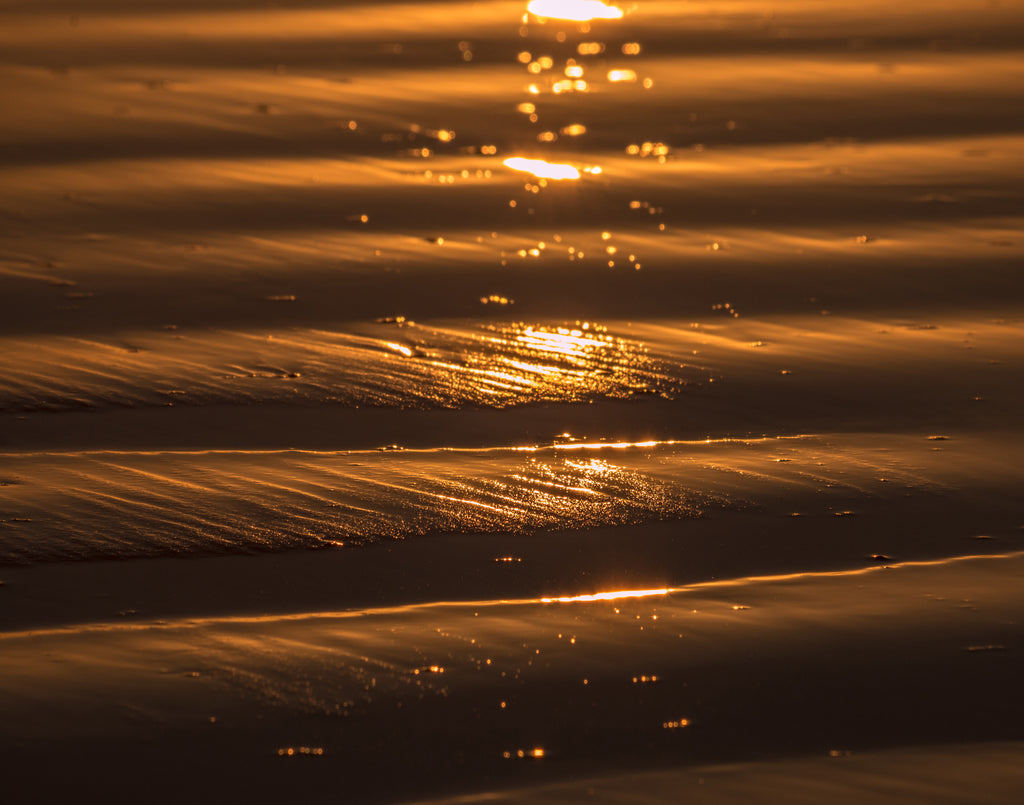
{"x": 481, "y": 695}
{"x": 313, "y": 410}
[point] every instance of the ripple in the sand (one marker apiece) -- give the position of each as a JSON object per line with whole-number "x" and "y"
{"x": 394, "y": 363}
{"x": 159, "y": 504}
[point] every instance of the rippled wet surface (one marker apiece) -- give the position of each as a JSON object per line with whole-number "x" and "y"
{"x": 507, "y": 301}
{"x": 110, "y": 504}
{"x": 242, "y": 229}
{"x": 535, "y": 691}
{"x": 394, "y": 363}
{"x": 124, "y": 505}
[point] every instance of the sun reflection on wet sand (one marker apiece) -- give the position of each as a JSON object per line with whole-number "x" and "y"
{"x": 258, "y": 268}
{"x": 429, "y": 366}
{"x": 64, "y": 505}
{"x": 127, "y": 504}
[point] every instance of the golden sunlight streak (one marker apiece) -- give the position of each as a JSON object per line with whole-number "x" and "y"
{"x": 610, "y": 596}
{"x": 404, "y": 350}
{"x": 575, "y": 10}
{"x": 563, "y": 341}
{"x": 542, "y": 169}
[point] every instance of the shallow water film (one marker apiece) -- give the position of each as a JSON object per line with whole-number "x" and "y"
{"x": 512, "y": 401}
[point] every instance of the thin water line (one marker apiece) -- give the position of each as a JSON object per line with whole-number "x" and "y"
{"x": 697, "y": 587}
{"x": 567, "y": 446}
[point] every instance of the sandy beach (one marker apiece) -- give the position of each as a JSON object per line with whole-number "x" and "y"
{"x": 511, "y": 402}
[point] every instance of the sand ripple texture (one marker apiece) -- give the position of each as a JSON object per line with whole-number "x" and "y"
{"x": 81, "y": 507}
{"x": 95, "y": 505}
{"x": 399, "y": 365}
{"x": 230, "y": 168}
{"x": 231, "y": 229}
{"x": 678, "y": 222}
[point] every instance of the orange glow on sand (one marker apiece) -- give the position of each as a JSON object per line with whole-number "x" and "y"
{"x": 336, "y": 349}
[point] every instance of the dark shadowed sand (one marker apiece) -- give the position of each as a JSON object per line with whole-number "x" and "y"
{"x": 434, "y": 402}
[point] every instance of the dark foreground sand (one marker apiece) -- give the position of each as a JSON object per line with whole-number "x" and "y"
{"x": 823, "y": 673}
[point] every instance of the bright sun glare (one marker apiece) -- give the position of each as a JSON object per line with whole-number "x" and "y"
{"x": 542, "y": 169}
{"x": 576, "y": 10}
